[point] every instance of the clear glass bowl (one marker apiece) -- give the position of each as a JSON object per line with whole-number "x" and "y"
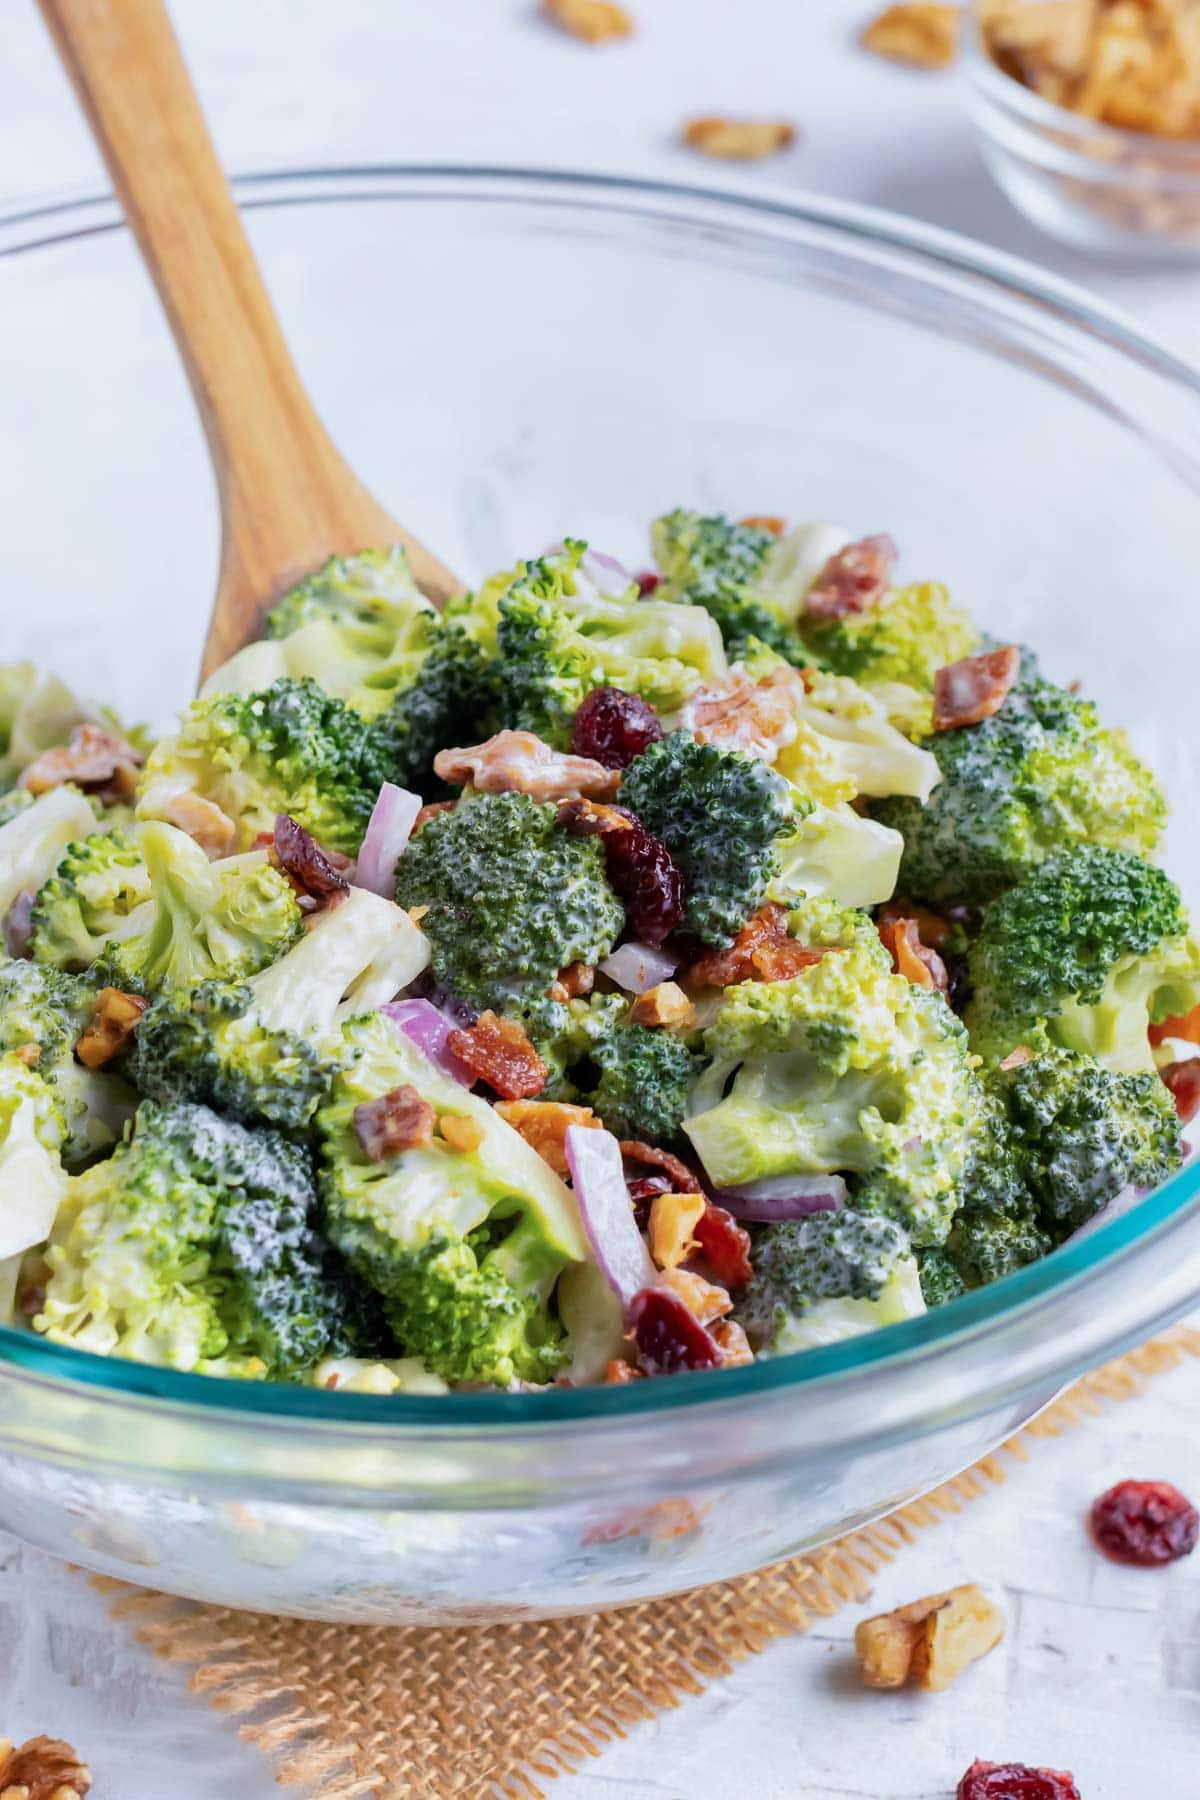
{"x": 504, "y": 356}
{"x": 1122, "y": 194}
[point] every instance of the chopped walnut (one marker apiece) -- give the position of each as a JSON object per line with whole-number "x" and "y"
{"x": 673, "y": 1220}
{"x": 763, "y": 950}
{"x": 738, "y": 140}
{"x": 499, "y": 1052}
{"x": 94, "y": 760}
{"x": 665, "y": 1005}
{"x": 589, "y": 818}
{"x": 544, "y": 1125}
{"x": 43, "y": 1768}
{"x": 460, "y": 1132}
{"x": 204, "y": 822}
{"x": 732, "y": 1342}
{"x": 517, "y": 762}
{"x": 396, "y": 1121}
{"x": 929, "y": 1641}
{"x": 973, "y": 689}
{"x": 922, "y": 33}
{"x": 756, "y": 717}
{"x": 911, "y": 958}
{"x": 29, "y": 1054}
{"x": 703, "y": 1299}
{"x": 576, "y": 979}
{"x": 592, "y": 20}
{"x": 110, "y": 1030}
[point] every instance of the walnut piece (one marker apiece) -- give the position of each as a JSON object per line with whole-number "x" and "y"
{"x": 923, "y": 34}
{"x": 738, "y": 140}
{"x": 204, "y": 822}
{"x": 517, "y": 762}
{"x": 929, "y": 1641}
{"x": 43, "y": 1768}
{"x": 732, "y": 1342}
{"x": 666, "y": 1004}
{"x": 592, "y": 20}
{"x": 673, "y": 1220}
{"x": 94, "y": 760}
{"x": 110, "y": 1030}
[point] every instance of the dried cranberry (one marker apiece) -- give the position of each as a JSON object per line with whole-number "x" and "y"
{"x": 1183, "y": 1079}
{"x": 309, "y": 868}
{"x": 668, "y": 1336}
{"x": 613, "y": 727}
{"x": 1015, "y": 1781}
{"x": 643, "y": 872}
{"x": 647, "y": 580}
{"x": 643, "y": 1191}
{"x": 725, "y": 1245}
{"x": 1145, "y": 1523}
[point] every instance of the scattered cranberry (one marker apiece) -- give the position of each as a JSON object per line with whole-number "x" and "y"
{"x": 1183, "y": 1079}
{"x": 311, "y": 870}
{"x": 613, "y": 727}
{"x": 1015, "y": 1781}
{"x": 643, "y": 872}
{"x": 669, "y": 1337}
{"x": 1145, "y": 1523}
{"x": 725, "y": 1246}
{"x": 647, "y": 580}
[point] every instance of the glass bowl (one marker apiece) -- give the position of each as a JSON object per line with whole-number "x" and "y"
{"x": 505, "y": 356}
{"x": 1123, "y": 194}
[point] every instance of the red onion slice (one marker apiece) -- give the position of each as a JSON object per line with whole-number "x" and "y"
{"x": 638, "y": 967}
{"x": 778, "y": 1197}
{"x": 598, "y": 1177}
{"x": 388, "y": 831}
{"x": 423, "y": 1024}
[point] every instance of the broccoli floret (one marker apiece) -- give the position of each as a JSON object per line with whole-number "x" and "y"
{"x": 218, "y": 921}
{"x": 645, "y": 1082}
{"x": 32, "y": 1179}
{"x": 719, "y": 814}
{"x": 455, "y": 699}
{"x": 35, "y": 839}
{"x": 724, "y": 567}
{"x": 845, "y": 745}
{"x": 464, "y": 1246}
{"x": 41, "y": 1005}
{"x": 558, "y": 640}
{"x": 907, "y": 638}
{"x": 566, "y": 1035}
{"x": 90, "y": 899}
{"x": 289, "y": 748}
{"x": 267, "y": 1048}
{"x": 512, "y": 898}
{"x": 987, "y": 1246}
{"x": 827, "y": 1277}
{"x": 940, "y": 1279}
{"x": 844, "y": 1067}
{"x": 1040, "y": 775}
{"x": 194, "y": 1247}
{"x": 1087, "y": 951}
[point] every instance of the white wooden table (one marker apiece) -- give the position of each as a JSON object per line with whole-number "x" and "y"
{"x": 1100, "y": 1671}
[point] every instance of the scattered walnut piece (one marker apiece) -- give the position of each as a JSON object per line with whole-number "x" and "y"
{"x": 929, "y": 1641}
{"x": 396, "y": 1121}
{"x": 43, "y": 1768}
{"x": 666, "y": 1004}
{"x": 544, "y": 1125}
{"x": 732, "y": 1342}
{"x": 765, "y": 522}
{"x": 703, "y": 1299}
{"x": 517, "y": 762}
{"x": 94, "y": 760}
{"x": 756, "y": 717}
{"x": 673, "y": 1221}
{"x": 592, "y": 20}
{"x": 921, "y": 33}
{"x": 576, "y": 979}
{"x": 204, "y": 822}
{"x": 110, "y": 1030}
{"x": 499, "y": 1052}
{"x": 738, "y": 140}
{"x": 460, "y": 1132}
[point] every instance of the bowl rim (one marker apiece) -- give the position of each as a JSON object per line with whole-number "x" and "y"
{"x": 28, "y": 224}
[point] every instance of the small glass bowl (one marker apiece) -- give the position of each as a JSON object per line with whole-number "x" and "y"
{"x": 1116, "y": 193}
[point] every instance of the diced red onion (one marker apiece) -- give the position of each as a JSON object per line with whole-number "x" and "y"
{"x": 388, "y": 831}
{"x": 606, "y": 574}
{"x": 421, "y": 1022}
{"x": 777, "y": 1197}
{"x": 638, "y": 967}
{"x": 598, "y": 1177}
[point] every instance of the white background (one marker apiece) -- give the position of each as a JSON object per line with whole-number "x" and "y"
{"x": 1100, "y": 1671}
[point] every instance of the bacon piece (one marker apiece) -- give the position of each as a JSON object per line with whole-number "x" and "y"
{"x": 1182, "y": 1025}
{"x": 910, "y": 957}
{"x": 396, "y": 1121}
{"x": 110, "y": 1030}
{"x": 94, "y": 760}
{"x": 966, "y": 692}
{"x": 725, "y": 1246}
{"x": 499, "y": 1052}
{"x": 312, "y": 871}
{"x": 518, "y": 762}
{"x": 544, "y": 1125}
{"x": 666, "y": 1005}
{"x": 853, "y": 580}
{"x": 756, "y": 717}
{"x": 1183, "y": 1080}
{"x": 204, "y": 821}
{"x": 705, "y": 1300}
{"x": 678, "y": 1173}
{"x": 673, "y": 1218}
{"x": 761, "y": 951}
{"x": 765, "y": 522}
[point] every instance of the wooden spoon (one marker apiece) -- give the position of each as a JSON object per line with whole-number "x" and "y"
{"x": 288, "y": 500}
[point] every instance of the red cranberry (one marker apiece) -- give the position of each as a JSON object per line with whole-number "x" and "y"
{"x": 1015, "y": 1781}
{"x": 1183, "y": 1079}
{"x": 669, "y": 1337}
{"x": 647, "y": 580}
{"x": 643, "y": 872}
{"x": 308, "y": 867}
{"x": 725, "y": 1246}
{"x": 613, "y": 727}
{"x": 1145, "y": 1523}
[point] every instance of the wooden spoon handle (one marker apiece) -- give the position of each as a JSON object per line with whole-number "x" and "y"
{"x": 288, "y": 500}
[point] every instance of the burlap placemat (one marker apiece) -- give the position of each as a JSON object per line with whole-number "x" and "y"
{"x": 409, "y": 1713}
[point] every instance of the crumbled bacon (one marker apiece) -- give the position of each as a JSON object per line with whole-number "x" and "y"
{"x": 916, "y": 961}
{"x": 756, "y": 717}
{"x": 649, "y": 1156}
{"x": 518, "y": 762}
{"x": 1182, "y": 1025}
{"x": 1183, "y": 1080}
{"x": 590, "y": 818}
{"x": 973, "y": 689}
{"x": 761, "y": 951}
{"x": 396, "y": 1121}
{"x": 932, "y": 928}
{"x": 313, "y": 872}
{"x": 94, "y": 760}
{"x": 765, "y": 522}
{"x": 544, "y": 1125}
{"x": 204, "y": 822}
{"x": 499, "y": 1052}
{"x": 110, "y": 1030}
{"x": 725, "y": 1246}
{"x": 853, "y": 580}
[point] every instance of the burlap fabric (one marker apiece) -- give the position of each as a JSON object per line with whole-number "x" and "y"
{"x": 348, "y": 1711}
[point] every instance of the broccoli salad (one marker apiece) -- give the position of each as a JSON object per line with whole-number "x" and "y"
{"x": 607, "y": 976}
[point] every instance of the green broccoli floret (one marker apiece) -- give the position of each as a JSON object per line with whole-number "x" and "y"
{"x": 512, "y": 898}
{"x": 985, "y": 1247}
{"x": 194, "y": 1247}
{"x": 845, "y": 745}
{"x": 940, "y": 1279}
{"x": 844, "y": 1067}
{"x": 41, "y": 1005}
{"x": 465, "y": 1247}
{"x": 35, "y": 839}
{"x": 32, "y": 1179}
{"x": 645, "y": 1082}
{"x": 1038, "y": 776}
{"x": 724, "y": 567}
{"x": 267, "y": 1048}
{"x": 558, "y": 640}
{"x": 455, "y": 699}
{"x": 566, "y": 1035}
{"x": 907, "y": 638}
{"x": 1087, "y": 951}
{"x": 289, "y": 748}
{"x": 219, "y": 921}
{"x": 827, "y": 1277}
{"x": 92, "y": 898}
